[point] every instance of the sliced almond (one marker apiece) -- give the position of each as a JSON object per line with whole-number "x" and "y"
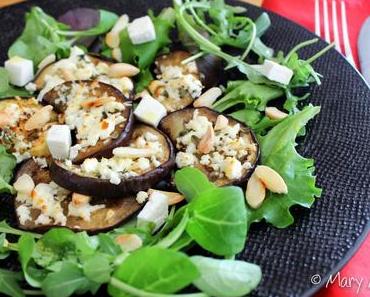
{"x": 155, "y": 87}
{"x": 256, "y": 192}
{"x": 173, "y": 197}
{"x": 129, "y": 242}
{"x": 112, "y": 39}
{"x": 117, "y": 54}
{"x": 271, "y": 179}
{"x": 79, "y": 199}
{"x": 208, "y": 98}
{"x": 131, "y": 152}
{"x": 207, "y": 142}
{"x": 275, "y": 114}
{"x": 122, "y": 69}
{"x": 67, "y": 74}
{"x": 221, "y": 122}
{"x": 47, "y": 61}
{"x": 24, "y": 184}
{"x": 39, "y": 118}
{"x": 5, "y": 119}
{"x": 96, "y": 102}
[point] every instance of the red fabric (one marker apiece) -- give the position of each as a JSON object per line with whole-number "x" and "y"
{"x": 357, "y": 12}
{"x": 303, "y": 12}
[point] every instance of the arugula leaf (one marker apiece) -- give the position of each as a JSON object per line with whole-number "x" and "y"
{"x": 217, "y": 220}
{"x": 64, "y": 283}
{"x": 107, "y": 245}
{"x": 43, "y": 35}
{"x": 226, "y": 278}
{"x": 7, "y": 165}
{"x": 278, "y": 152}
{"x": 253, "y": 96}
{"x": 155, "y": 269}
{"x": 144, "y": 54}
{"x": 192, "y": 182}
{"x": 9, "y": 283}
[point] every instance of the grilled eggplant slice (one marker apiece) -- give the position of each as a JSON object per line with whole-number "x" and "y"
{"x": 81, "y": 67}
{"x": 101, "y": 115}
{"x": 223, "y": 148}
{"x": 23, "y": 125}
{"x": 148, "y": 159}
{"x": 177, "y": 85}
{"x": 112, "y": 214}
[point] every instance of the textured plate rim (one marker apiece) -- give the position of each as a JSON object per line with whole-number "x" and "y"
{"x": 361, "y": 239}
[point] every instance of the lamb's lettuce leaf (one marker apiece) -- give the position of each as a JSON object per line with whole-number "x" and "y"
{"x": 278, "y": 152}
{"x": 7, "y": 165}
{"x": 43, "y": 35}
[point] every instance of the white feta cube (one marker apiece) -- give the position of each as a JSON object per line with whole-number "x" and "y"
{"x": 90, "y": 165}
{"x": 59, "y": 141}
{"x": 141, "y": 30}
{"x": 150, "y": 111}
{"x": 20, "y": 71}
{"x": 155, "y": 211}
{"x": 275, "y": 72}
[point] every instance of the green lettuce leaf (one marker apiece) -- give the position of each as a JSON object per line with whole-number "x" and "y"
{"x": 278, "y": 152}
{"x": 7, "y": 165}
{"x": 144, "y": 54}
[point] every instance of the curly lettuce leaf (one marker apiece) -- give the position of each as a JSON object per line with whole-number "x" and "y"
{"x": 278, "y": 152}
{"x": 7, "y": 165}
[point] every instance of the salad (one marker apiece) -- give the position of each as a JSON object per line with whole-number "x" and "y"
{"x": 138, "y": 152}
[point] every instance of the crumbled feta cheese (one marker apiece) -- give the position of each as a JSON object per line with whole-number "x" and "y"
{"x": 23, "y": 213}
{"x": 20, "y": 71}
{"x": 155, "y": 211}
{"x": 90, "y": 165}
{"x": 232, "y": 168}
{"x": 41, "y": 162}
{"x": 59, "y": 141}
{"x": 141, "y": 30}
{"x": 43, "y": 220}
{"x": 275, "y": 72}
{"x": 141, "y": 197}
{"x": 31, "y": 87}
{"x": 150, "y": 111}
{"x": 185, "y": 159}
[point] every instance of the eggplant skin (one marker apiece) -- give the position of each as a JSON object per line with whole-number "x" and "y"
{"x": 121, "y": 208}
{"x": 102, "y": 148}
{"x": 103, "y": 187}
{"x": 172, "y": 126}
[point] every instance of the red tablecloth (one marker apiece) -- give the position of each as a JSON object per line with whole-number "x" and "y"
{"x": 302, "y": 12}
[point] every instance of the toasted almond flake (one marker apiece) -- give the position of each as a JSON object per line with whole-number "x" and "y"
{"x": 271, "y": 179}
{"x": 155, "y": 87}
{"x": 122, "y": 69}
{"x": 96, "y": 102}
{"x": 79, "y": 199}
{"x": 5, "y": 119}
{"x": 275, "y": 114}
{"x": 256, "y": 192}
{"x": 117, "y": 54}
{"x": 24, "y": 184}
{"x": 39, "y": 118}
{"x": 208, "y": 98}
{"x": 67, "y": 74}
{"x": 112, "y": 39}
{"x": 129, "y": 242}
{"x": 206, "y": 144}
{"x": 221, "y": 122}
{"x": 47, "y": 61}
{"x": 173, "y": 197}
{"x": 130, "y": 152}
{"x": 109, "y": 215}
